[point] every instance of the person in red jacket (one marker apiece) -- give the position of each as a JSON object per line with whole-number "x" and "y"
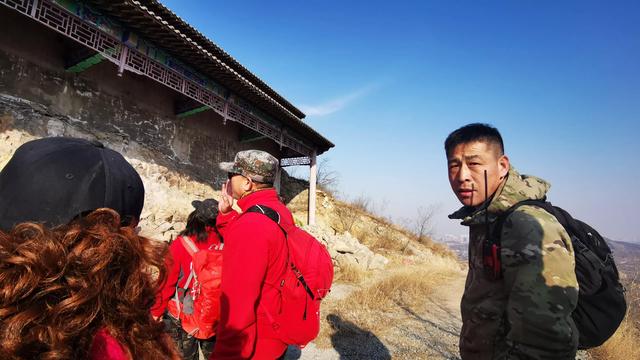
{"x": 201, "y": 230}
{"x": 255, "y": 256}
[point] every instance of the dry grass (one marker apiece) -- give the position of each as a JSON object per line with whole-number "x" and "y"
{"x": 378, "y": 233}
{"x": 410, "y": 286}
{"x": 376, "y": 307}
{"x": 381, "y": 236}
{"x": 350, "y": 273}
{"x": 391, "y": 243}
{"x": 348, "y": 215}
{"x": 440, "y": 249}
{"x": 623, "y": 345}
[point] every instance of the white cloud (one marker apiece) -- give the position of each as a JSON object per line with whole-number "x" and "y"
{"x": 337, "y": 104}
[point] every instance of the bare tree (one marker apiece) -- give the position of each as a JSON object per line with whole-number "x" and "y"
{"x": 347, "y": 217}
{"x": 363, "y": 203}
{"x": 350, "y": 212}
{"x": 327, "y": 178}
{"x": 423, "y": 222}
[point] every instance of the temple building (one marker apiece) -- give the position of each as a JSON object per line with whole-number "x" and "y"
{"x": 137, "y": 77}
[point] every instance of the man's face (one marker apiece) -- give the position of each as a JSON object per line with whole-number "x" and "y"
{"x": 239, "y": 185}
{"x": 467, "y": 163}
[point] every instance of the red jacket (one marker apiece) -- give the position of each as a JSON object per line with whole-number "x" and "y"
{"x": 106, "y": 347}
{"x": 255, "y": 256}
{"x": 178, "y": 267}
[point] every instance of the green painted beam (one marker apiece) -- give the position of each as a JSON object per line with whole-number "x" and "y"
{"x": 86, "y": 63}
{"x": 248, "y": 137}
{"x": 244, "y": 141}
{"x": 193, "y": 111}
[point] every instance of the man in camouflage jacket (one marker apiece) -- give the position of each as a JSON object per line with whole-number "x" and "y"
{"x": 525, "y": 311}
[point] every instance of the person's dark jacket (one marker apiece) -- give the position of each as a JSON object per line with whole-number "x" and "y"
{"x": 527, "y": 313}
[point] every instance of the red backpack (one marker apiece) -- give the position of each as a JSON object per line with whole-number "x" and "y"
{"x": 305, "y": 282}
{"x": 197, "y": 304}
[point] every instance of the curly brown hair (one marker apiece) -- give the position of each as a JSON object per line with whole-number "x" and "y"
{"x": 59, "y": 286}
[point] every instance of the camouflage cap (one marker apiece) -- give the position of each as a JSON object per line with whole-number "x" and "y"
{"x": 257, "y": 165}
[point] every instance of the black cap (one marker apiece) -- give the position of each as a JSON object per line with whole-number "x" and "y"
{"x": 53, "y": 180}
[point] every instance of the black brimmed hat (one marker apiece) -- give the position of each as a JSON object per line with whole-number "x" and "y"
{"x": 206, "y": 209}
{"x": 54, "y": 180}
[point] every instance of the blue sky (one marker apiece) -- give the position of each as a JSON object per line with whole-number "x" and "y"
{"x": 387, "y": 82}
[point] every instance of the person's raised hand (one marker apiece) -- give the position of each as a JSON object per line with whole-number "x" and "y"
{"x": 226, "y": 199}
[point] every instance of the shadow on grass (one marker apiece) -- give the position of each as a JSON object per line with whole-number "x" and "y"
{"x": 352, "y": 342}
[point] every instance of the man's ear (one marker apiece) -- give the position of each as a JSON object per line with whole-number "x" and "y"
{"x": 503, "y": 166}
{"x": 246, "y": 183}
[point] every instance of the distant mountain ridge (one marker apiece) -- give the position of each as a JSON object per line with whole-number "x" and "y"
{"x": 457, "y": 243}
{"x": 625, "y": 254}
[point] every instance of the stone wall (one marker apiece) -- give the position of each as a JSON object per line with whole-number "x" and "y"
{"x": 168, "y": 192}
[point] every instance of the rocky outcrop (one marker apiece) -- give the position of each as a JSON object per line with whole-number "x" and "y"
{"x": 168, "y": 197}
{"x": 346, "y": 250}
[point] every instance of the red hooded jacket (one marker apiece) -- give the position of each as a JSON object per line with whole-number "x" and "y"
{"x": 178, "y": 267}
{"x": 255, "y": 256}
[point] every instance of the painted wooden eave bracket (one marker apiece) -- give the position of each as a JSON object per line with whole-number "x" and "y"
{"x": 248, "y": 136}
{"x": 186, "y": 108}
{"x": 81, "y": 58}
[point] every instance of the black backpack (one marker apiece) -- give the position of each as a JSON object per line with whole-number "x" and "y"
{"x": 601, "y": 303}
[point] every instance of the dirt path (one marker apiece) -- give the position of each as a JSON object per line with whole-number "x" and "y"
{"x": 433, "y": 332}
{"x": 428, "y": 332}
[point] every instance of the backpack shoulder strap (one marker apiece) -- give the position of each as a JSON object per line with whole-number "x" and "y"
{"x": 191, "y": 249}
{"x": 268, "y": 212}
{"x": 564, "y": 218}
{"x": 574, "y": 228}
{"x": 491, "y": 247}
{"x": 273, "y": 215}
{"x": 189, "y": 245}
{"x": 541, "y": 203}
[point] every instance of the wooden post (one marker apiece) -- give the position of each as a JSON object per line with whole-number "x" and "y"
{"x": 312, "y": 188}
{"x": 123, "y": 59}
{"x": 34, "y": 8}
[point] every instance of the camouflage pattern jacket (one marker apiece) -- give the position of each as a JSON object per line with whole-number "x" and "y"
{"x": 526, "y": 314}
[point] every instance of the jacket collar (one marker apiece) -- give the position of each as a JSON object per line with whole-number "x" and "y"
{"x": 258, "y": 197}
{"x": 515, "y": 189}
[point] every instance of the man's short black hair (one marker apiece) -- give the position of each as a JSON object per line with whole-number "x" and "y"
{"x": 472, "y": 133}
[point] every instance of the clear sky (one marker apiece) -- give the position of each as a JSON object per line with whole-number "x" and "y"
{"x": 387, "y": 81}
